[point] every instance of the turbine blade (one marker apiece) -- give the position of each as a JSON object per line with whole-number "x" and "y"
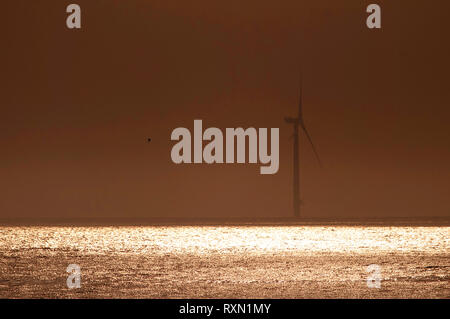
{"x": 300, "y": 111}
{"x": 311, "y": 142}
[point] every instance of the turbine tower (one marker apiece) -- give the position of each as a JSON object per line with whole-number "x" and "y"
{"x": 298, "y": 122}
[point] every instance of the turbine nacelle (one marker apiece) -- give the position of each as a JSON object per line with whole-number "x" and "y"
{"x": 292, "y": 120}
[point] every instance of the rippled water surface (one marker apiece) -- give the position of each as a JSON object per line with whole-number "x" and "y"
{"x": 225, "y": 261}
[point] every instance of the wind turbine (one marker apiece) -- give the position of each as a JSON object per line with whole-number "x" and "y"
{"x": 298, "y": 122}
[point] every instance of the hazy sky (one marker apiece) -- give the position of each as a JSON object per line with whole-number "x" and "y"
{"x": 77, "y": 107}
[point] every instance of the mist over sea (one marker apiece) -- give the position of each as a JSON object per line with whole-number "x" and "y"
{"x": 246, "y": 261}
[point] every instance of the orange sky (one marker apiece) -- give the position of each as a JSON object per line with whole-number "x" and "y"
{"x": 77, "y": 107}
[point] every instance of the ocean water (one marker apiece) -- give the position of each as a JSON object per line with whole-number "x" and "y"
{"x": 225, "y": 262}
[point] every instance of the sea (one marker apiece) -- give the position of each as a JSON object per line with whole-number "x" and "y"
{"x": 225, "y": 261}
